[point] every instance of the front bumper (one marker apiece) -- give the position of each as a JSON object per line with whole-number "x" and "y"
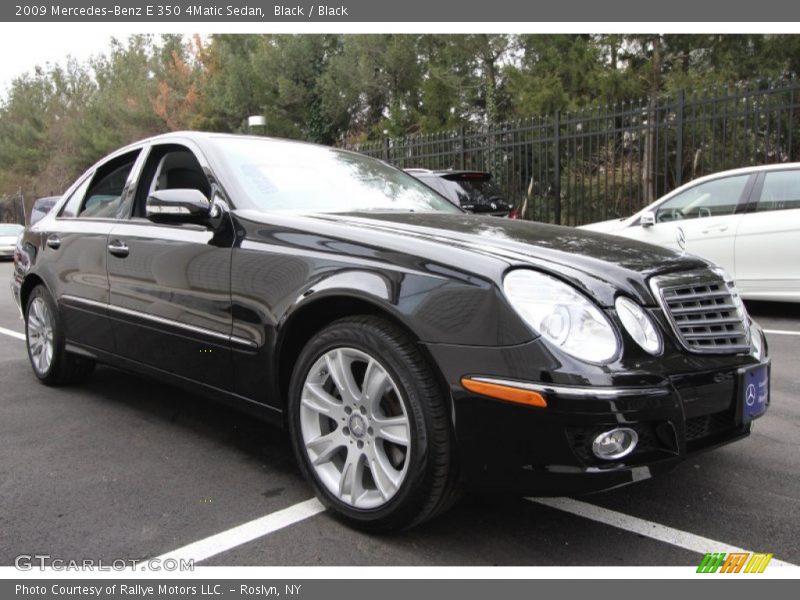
{"x": 547, "y": 451}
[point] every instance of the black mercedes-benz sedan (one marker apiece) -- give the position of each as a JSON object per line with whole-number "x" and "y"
{"x": 411, "y": 349}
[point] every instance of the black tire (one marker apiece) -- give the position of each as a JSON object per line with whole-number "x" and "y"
{"x": 430, "y": 484}
{"x": 65, "y": 367}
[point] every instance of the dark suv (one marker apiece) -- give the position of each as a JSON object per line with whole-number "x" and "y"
{"x": 473, "y": 191}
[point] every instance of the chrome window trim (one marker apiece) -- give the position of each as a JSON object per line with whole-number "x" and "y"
{"x": 161, "y": 320}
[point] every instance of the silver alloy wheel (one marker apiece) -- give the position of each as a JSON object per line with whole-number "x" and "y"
{"x": 355, "y": 428}
{"x": 40, "y": 335}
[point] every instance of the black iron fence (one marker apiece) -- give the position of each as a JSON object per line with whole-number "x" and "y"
{"x": 609, "y": 161}
{"x": 12, "y": 209}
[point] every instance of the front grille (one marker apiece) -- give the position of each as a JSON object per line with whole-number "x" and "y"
{"x": 700, "y": 427}
{"x": 704, "y": 310}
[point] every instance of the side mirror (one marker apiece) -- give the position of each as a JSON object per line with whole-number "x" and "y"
{"x": 648, "y": 219}
{"x": 182, "y": 205}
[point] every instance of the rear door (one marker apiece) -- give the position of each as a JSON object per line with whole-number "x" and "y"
{"x": 767, "y": 264}
{"x": 701, "y": 220}
{"x": 170, "y": 283}
{"x": 75, "y": 250}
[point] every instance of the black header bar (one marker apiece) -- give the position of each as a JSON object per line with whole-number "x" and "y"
{"x": 440, "y": 11}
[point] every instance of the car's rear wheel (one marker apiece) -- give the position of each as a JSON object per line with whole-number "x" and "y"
{"x": 370, "y": 427}
{"x": 44, "y": 336}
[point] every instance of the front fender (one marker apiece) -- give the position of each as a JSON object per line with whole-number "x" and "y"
{"x": 434, "y": 308}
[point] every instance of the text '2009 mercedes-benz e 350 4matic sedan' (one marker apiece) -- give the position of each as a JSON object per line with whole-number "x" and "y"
{"x": 411, "y": 349}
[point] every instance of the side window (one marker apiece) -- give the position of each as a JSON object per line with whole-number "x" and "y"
{"x": 781, "y": 191}
{"x": 72, "y": 205}
{"x": 712, "y": 199}
{"x": 170, "y": 167}
{"x": 105, "y": 193}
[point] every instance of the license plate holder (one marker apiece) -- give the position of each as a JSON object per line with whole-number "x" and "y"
{"x": 754, "y": 392}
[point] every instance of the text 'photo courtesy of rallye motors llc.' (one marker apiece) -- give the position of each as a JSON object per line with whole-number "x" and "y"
{"x": 411, "y": 350}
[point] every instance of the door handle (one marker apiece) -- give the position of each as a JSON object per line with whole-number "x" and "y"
{"x": 118, "y": 248}
{"x": 54, "y": 242}
{"x": 718, "y": 228}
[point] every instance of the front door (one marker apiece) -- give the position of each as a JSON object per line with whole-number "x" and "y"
{"x": 701, "y": 220}
{"x": 170, "y": 284}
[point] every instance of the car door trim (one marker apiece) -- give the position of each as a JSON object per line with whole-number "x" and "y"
{"x": 160, "y": 320}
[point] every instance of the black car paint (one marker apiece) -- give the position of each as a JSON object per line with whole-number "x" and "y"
{"x": 218, "y": 309}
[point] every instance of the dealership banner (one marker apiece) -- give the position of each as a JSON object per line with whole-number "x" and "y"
{"x": 338, "y": 11}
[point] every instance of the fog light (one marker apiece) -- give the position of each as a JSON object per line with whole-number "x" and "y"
{"x": 615, "y": 443}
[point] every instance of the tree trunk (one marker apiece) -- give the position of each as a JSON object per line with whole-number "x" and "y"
{"x": 649, "y": 158}
{"x": 490, "y": 84}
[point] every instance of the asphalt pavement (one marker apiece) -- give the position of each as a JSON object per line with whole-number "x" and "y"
{"x": 127, "y": 468}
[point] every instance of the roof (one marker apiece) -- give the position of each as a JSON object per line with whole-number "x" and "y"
{"x": 201, "y": 137}
{"x": 743, "y": 171}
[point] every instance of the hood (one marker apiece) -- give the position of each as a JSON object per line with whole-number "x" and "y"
{"x": 618, "y": 261}
{"x": 612, "y": 263}
{"x": 610, "y": 226}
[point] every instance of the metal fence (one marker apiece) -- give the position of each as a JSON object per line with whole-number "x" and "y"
{"x": 609, "y": 161}
{"x": 12, "y": 209}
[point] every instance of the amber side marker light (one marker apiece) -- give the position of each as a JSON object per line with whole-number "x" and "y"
{"x": 504, "y": 392}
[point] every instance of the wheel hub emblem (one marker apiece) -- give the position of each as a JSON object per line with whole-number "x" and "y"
{"x": 358, "y": 427}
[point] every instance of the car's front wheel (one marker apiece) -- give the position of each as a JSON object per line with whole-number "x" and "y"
{"x": 44, "y": 335}
{"x": 370, "y": 427}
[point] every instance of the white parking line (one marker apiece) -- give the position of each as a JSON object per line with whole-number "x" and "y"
{"x": 656, "y": 531}
{"x": 11, "y": 333}
{"x": 781, "y": 332}
{"x": 247, "y": 532}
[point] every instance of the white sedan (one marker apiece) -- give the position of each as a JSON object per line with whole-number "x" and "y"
{"x": 9, "y": 232}
{"x": 745, "y": 220}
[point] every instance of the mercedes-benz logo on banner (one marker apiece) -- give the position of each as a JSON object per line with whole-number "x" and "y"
{"x": 680, "y": 237}
{"x": 750, "y": 395}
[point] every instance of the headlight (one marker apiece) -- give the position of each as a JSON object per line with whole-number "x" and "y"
{"x": 562, "y": 315}
{"x": 639, "y": 325}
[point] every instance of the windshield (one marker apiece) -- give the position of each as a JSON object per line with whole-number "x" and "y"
{"x": 10, "y": 229}
{"x": 294, "y": 177}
